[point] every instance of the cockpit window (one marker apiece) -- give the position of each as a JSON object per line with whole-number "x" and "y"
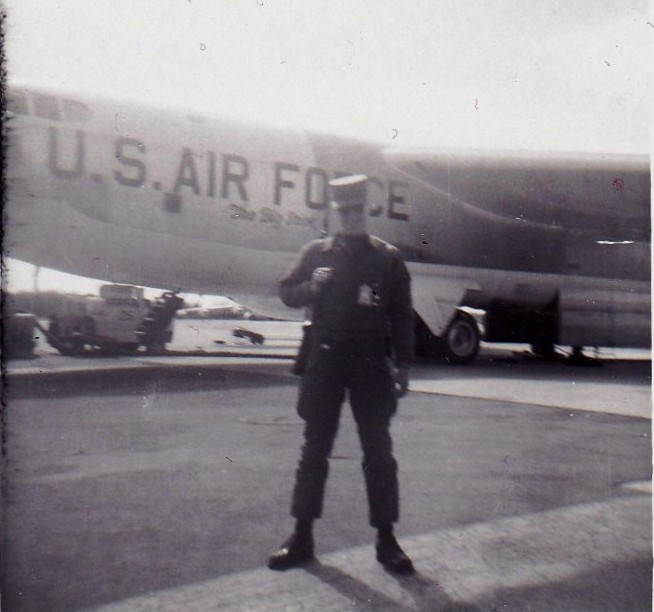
{"x": 46, "y": 107}
{"x": 17, "y": 102}
{"x": 76, "y": 111}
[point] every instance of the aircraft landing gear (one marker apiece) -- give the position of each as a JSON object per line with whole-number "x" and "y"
{"x": 459, "y": 344}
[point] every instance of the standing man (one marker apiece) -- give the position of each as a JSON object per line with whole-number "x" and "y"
{"x": 358, "y": 290}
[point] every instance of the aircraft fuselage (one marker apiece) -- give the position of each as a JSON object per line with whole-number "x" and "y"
{"x": 185, "y": 201}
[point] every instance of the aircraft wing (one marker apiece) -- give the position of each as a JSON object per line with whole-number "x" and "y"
{"x": 587, "y": 193}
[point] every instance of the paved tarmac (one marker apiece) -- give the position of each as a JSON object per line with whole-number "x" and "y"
{"x": 162, "y": 483}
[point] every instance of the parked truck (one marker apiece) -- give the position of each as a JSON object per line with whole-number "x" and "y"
{"x": 119, "y": 320}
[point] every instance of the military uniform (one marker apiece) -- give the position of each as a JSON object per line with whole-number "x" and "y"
{"x": 358, "y": 291}
{"x": 362, "y": 316}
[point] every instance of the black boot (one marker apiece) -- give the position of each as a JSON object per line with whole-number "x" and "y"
{"x": 296, "y": 551}
{"x": 390, "y": 555}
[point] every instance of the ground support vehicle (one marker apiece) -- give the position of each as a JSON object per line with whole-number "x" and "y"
{"x": 120, "y": 320}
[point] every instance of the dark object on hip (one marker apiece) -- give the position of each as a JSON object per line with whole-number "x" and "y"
{"x": 305, "y": 348}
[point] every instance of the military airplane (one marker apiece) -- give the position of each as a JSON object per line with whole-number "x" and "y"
{"x": 553, "y": 248}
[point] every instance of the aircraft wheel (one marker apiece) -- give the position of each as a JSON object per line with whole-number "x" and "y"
{"x": 460, "y": 342}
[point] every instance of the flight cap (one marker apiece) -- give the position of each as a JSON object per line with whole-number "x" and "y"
{"x": 348, "y": 191}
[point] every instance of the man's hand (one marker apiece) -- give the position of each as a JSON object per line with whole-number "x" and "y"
{"x": 401, "y": 379}
{"x": 319, "y": 278}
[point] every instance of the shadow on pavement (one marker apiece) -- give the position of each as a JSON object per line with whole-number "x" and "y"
{"x": 624, "y": 586}
{"x": 422, "y": 592}
{"x": 136, "y": 381}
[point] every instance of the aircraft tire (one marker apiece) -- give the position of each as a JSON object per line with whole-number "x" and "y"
{"x": 460, "y": 342}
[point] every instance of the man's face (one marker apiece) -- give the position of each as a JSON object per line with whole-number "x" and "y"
{"x": 352, "y": 219}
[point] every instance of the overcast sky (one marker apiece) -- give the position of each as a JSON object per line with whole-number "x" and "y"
{"x": 567, "y": 75}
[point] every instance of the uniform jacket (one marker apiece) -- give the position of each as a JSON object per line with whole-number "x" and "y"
{"x": 367, "y": 300}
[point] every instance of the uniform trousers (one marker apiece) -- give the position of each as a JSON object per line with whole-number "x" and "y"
{"x": 363, "y": 370}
